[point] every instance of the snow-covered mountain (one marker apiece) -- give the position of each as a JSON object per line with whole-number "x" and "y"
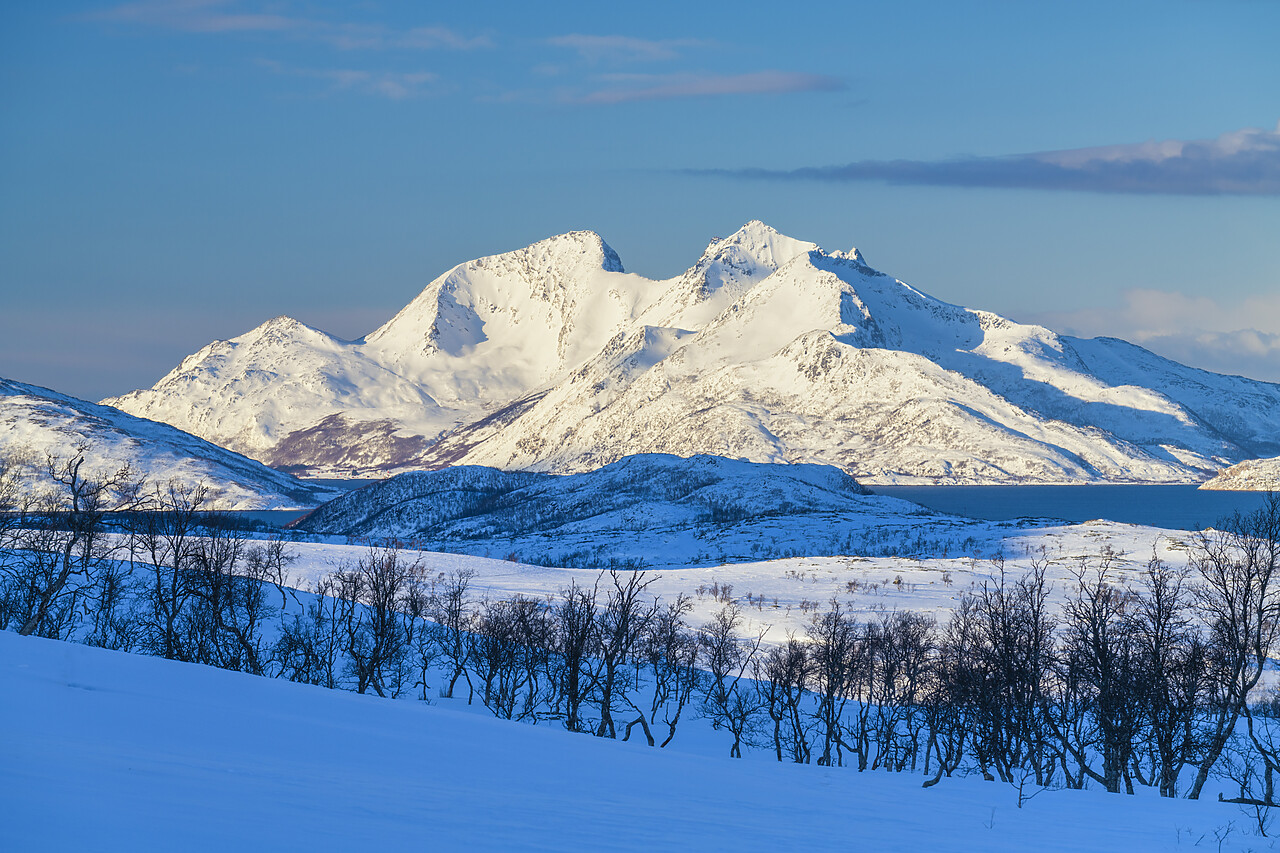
{"x": 35, "y": 422}
{"x": 1251, "y": 475}
{"x": 704, "y": 510}
{"x": 552, "y": 358}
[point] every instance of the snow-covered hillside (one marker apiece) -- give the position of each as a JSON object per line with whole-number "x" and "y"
{"x": 649, "y": 510}
{"x": 102, "y": 750}
{"x": 552, "y": 358}
{"x": 36, "y": 422}
{"x": 1251, "y": 475}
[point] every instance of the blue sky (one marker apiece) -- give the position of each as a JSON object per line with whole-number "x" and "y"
{"x": 174, "y": 171}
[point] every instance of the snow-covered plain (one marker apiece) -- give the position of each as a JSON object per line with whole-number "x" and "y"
{"x": 780, "y": 596}
{"x": 780, "y": 540}
{"x": 101, "y": 750}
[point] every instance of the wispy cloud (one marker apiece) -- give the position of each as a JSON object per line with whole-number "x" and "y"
{"x": 623, "y": 48}
{"x": 196, "y": 16}
{"x": 1241, "y": 337}
{"x": 429, "y": 38}
{"x": 624, "y": 88}
{"x": 221, "y": 17}
{"x": 1243, "y": 162}
{"x": 396, "y": 85}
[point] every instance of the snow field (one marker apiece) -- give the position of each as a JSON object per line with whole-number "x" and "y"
{"x": 781, "y": 596}
{"x": 108, "y": 751}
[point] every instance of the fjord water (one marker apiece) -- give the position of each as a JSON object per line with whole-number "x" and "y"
{"x": 1170, "y": 507}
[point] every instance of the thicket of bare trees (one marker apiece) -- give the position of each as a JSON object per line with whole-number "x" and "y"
{"x": 1149, "y": 682}
{"x": 55, "y": 543}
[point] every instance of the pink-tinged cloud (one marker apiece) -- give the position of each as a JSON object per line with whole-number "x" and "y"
{"x": 656, "y": 87}
{"x": 1243, "y": 162}
{"x": 431, "y": 38}
{"x": 622, "y": 48}
{"x": 220, "y": 17}
{"x": 396, "y": 85}
{"x": 387, "y": 84}
{"x": 196, "y": 16}
{"x": 1226, "y": 337}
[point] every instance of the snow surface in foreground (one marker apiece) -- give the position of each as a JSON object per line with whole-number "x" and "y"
{"x": 102, "y": 750}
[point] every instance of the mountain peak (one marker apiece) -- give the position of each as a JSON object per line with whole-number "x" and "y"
{"x": 284, "y": 328}
{"x": 852, "y": 255}
{"x": 597, "y": 252}
{"x": 761, "y": 238}
{"x": 282, "y": 323}
{"x": 751, "y": 253}
{"x": 757, "y": 228}
{"x": 765, "y": 242}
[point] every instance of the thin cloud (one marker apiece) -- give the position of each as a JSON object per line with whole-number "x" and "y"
{"x": 430, "y": 38}
{"x": 221, "y": 17}
{"x": 626, "y": 88}
{"x": 195, "y": 16}
{"x": 1243, "y": 162}
{"x": 622, "y": 48}
{"x": 395, "y": 85}
{"x": 1240, "y": 338}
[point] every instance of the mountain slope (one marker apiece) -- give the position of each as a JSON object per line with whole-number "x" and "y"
{"x": 768, "y": 348}
{"x": 1251, "y": 475}
{"x": 496, "y": 328}
{"x": 250, "y": 393}
{"x": 35, "y": 421}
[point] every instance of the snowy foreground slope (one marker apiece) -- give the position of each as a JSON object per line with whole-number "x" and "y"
{"x": 35, "y": 422}
{"x": 101, "y": 750}
{"x": 553, "y": 358}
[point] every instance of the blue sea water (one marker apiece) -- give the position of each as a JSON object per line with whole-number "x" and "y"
{"x": 281, "y": 517}
{"x": 274, "y": 517}
{"x": 1171, "y": 507}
